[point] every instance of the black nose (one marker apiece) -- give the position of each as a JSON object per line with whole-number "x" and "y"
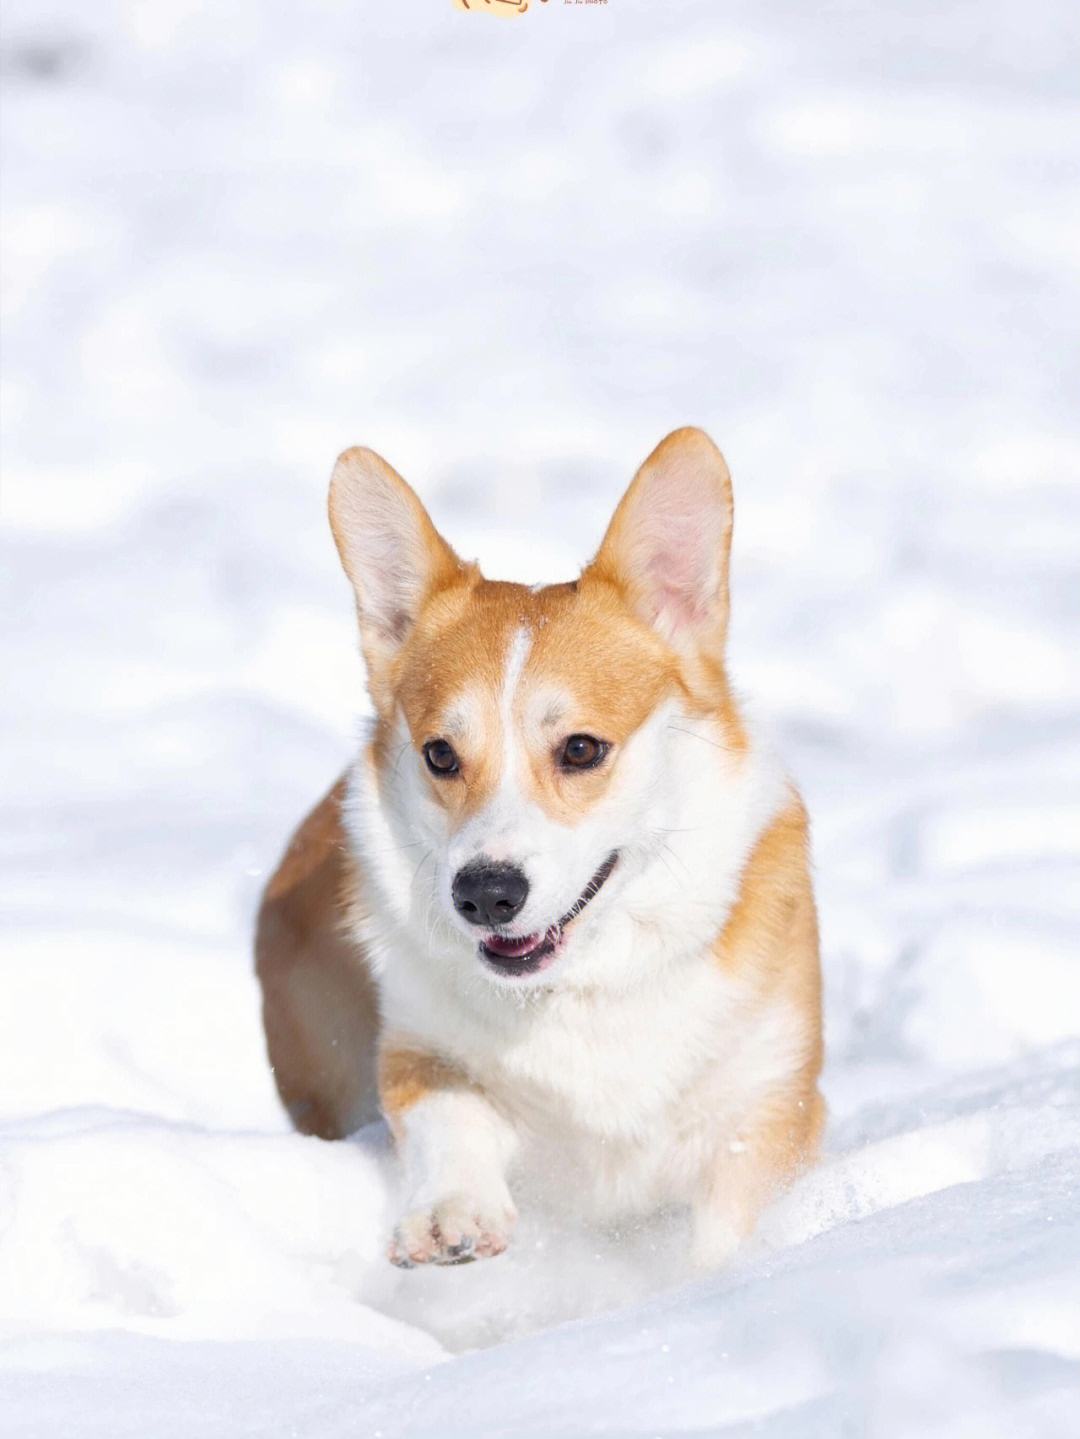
{"x": 489, "y": 894}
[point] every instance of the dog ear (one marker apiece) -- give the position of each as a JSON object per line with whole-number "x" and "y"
{"x": 668, "y": 545}
{"x": 394, "y": 556}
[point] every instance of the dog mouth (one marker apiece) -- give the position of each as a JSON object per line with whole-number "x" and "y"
{"x": 530, "y": 953}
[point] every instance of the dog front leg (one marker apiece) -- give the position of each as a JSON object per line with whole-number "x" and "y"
{"x": 753, "y": 1165}
{"x": 455, "y": 1149}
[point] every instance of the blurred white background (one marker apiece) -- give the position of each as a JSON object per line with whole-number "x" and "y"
{"x": 845, "y": 238}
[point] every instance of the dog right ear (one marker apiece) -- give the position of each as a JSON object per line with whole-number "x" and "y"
{"x": 668, "y": 546}
{"x": 394, "y": 556}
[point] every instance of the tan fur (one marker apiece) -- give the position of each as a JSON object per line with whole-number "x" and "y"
{"x": 772, "y": 937}
{"x": 407, "y": 1074}
{"x": 461, "y": 639}
{"x": 319, "y": 1006}
{"x": 469, "y": 631}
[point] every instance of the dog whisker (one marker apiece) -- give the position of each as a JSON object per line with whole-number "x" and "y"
{"x": 677, "y": 729}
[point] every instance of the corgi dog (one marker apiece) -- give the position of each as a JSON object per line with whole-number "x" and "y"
{"x": 556, "y": 922}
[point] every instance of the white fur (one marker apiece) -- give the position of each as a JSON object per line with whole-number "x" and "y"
{"x": 677, "y": 530}
{"x": 379, "y": 531}
{"x": 457, "y": 1149}
{"x": 591, "y": 1062}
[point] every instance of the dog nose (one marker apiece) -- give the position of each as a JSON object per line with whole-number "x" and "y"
{"x": 489, "y": 894}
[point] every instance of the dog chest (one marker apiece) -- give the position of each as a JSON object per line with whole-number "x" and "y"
{"x": 610, "y": 1065}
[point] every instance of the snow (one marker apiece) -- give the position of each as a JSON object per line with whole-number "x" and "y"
{"x": 511, "y": 257}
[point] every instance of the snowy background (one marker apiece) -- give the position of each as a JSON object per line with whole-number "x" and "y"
{"x": 511, "y": 256}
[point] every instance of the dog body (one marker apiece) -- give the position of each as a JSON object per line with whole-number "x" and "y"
{"x": 559, "y": 915}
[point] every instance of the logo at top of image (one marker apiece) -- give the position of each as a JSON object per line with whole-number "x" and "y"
{"x": 494, "y": 7}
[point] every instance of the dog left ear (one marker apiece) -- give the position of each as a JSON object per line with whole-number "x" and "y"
{"x": 392, "y": 553}
{"x": 669, "y": 543}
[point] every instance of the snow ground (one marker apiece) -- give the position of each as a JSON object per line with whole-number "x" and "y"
{"x": 511, "y": 257}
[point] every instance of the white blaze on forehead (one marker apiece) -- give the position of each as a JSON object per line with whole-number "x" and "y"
{"x": 499, "y": 830}
{"x": 516, "y": 656}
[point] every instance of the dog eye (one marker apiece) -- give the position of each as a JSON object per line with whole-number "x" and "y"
{"x": 441, "y": 759}
{"x": 582, "y": 751}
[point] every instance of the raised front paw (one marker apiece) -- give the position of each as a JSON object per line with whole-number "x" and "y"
{"x": 456, "y": 1230}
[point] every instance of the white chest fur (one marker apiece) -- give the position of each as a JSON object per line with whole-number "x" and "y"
{"x": 631, "y": 1093}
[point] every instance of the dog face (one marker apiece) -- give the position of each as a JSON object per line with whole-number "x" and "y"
{"x": 523, "y": 736}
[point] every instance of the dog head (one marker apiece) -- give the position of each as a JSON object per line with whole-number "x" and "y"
{"x": 523, "y": 736}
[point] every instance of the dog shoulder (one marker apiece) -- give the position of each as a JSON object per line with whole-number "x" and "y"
{"x": 319, "y": 1004}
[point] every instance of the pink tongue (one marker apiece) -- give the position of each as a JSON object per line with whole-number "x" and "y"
{"x": 512, "y": 948}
